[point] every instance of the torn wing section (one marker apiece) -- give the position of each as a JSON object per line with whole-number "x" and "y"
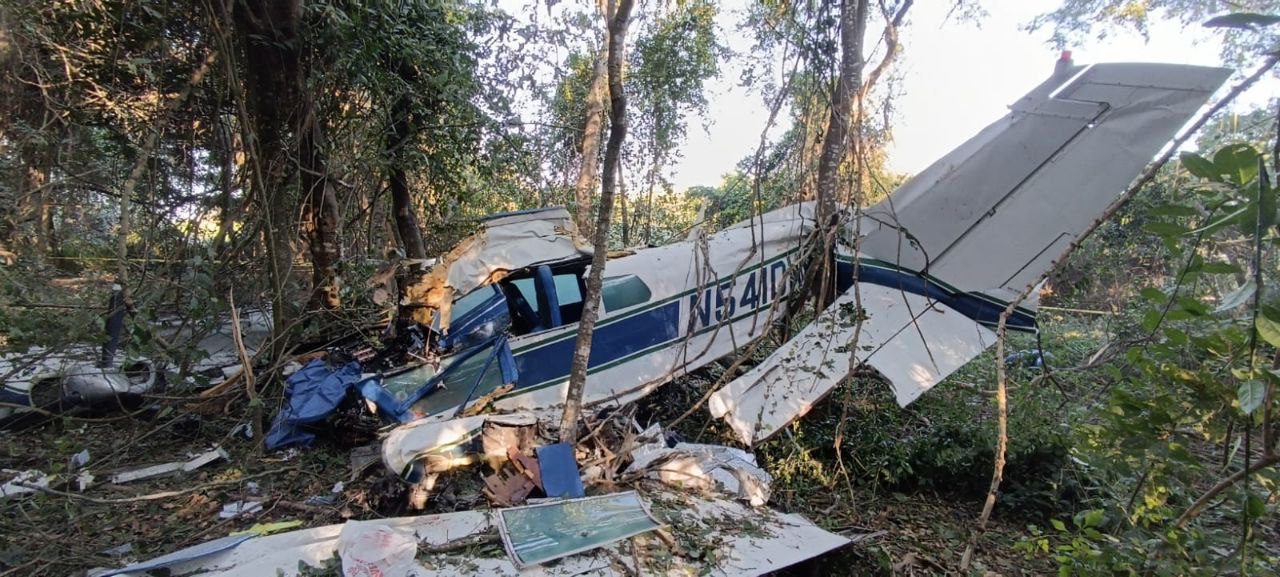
{"x": 912, "y": 340}
{"x": 992, "y": 216}
{"x": 971, "y": 232}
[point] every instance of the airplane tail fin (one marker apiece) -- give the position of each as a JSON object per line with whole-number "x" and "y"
{"x": 940, "y": 258}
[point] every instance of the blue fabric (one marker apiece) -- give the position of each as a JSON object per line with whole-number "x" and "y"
{"x": 311, "y": 394}
{"x": 560, "y": 476}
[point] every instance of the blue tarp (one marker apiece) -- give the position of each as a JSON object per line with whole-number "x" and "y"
{"x": 311, "y": 394}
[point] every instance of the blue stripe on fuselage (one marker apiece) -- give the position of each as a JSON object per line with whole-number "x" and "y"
{"x": 977, "y": 307}
{"x": 609, "y": 343}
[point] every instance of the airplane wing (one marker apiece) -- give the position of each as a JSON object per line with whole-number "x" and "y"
{"x": 991, "y": 215}
{"x": 941, "y": 257}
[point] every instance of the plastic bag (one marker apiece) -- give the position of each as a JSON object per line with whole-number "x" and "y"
{"x": 376, "y": 551}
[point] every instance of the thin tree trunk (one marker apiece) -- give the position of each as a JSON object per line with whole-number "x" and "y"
{"x": 321, "y": 212}
{"x": 406, "y": 218}
{"x": 588, "y": 163}
{"x": 32, "y": 194}
{"x": 648, "y": 226}
{"x": 622, "y": 198}
{"x": 226, "y": 179}
{"x": 617, "y": 20}
{"x": 835, "y": 144}
{"x": 853, "y": 23}
{"x": 403, "y": 214}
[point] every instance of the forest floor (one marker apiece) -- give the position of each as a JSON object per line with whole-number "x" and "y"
{"x": 919, "y": 532}
{"x": 919, "y": 529}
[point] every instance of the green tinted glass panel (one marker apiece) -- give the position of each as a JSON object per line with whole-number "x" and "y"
{"x": 474, "y": 299}
{"x": 567, "y": 290}
{"x": 529, "y": 290}
{"x": 622, "y": 292}
{"x": 539, "y": 533}
{"x": 459, "y": 382}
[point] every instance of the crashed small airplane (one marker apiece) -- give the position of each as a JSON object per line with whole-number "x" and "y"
{"x": 922, "y": 278}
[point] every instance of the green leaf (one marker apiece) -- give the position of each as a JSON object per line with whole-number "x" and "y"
{"x": 1174, "y": 210}
{"x": 1266, "y": 197}
{"x": 1165, "y": 228}
{"x": 1093, "y": 518}
{"x": 1268, "y": 328}
{"x": 1223, "y": 221}
{"x": 1238, "y": 161}
{"x": 1058, "y": 524}
{"x": 1255, "y": 506}
{"x": 1150, "y": 320}
{"x": 1248, "y": 220}
{"x": 1154, "y": 294}
{"x": 1175, "y": 336}
{"x": 1200, "y": 166}
{"x": 1251, "y": 395}
{"x": 1218, "y": 268}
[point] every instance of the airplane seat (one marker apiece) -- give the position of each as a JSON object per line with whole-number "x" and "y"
{"x": 571, "y": 313}
{"x": 523, "y": 319}
{"x": 548, "y": 300}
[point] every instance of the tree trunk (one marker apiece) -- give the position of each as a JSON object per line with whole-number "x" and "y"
{"x": 617, "y": 22}
{"x": 588, "y": 164}
{"x": 320, "y": 214}
{"x": 622, "y": 198}
{"x": 835, "y": 144}
{"x": 853, "y": 23}
{"x": 406, "y": 218}
{"x": 33, "y": 205}
{"x": 267, "y": 32}
{"x": 226, "y": 180}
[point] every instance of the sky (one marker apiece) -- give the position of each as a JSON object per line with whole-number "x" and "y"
{"x": 957, "y": 77}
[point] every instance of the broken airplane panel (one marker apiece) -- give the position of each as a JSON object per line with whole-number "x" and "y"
{"x": 935, "y": 264}
{"x": 940, "y": 257}
{"x": 746, "y": 541}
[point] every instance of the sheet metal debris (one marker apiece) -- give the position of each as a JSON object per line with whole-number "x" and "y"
{"x": 174, "y": 468}
{"x": 15, "y": 485}
{"x": 728, "y": 470}
{"x": 181, "y": 557}
{"x": 535, "y": 534}
{"x": 240, "y": 509}
{"x": 747, "y": 542}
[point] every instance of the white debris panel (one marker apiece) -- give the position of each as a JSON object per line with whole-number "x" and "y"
{"x": 912, "y": 341}
{"x": 750, "y": 542}
{"x": 727, "y": 470}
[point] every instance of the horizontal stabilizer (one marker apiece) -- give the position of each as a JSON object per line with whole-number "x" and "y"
{"x": 992, "y": 215}
{"x": 913, "y": 341}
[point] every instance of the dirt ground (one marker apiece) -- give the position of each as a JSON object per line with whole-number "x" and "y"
{"x": 71, "y": 531}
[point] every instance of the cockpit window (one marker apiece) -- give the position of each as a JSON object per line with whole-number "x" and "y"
{"x": 472, "y": 300}
{"x": 568, "y": 290}
{"x": 621, "y": 292}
